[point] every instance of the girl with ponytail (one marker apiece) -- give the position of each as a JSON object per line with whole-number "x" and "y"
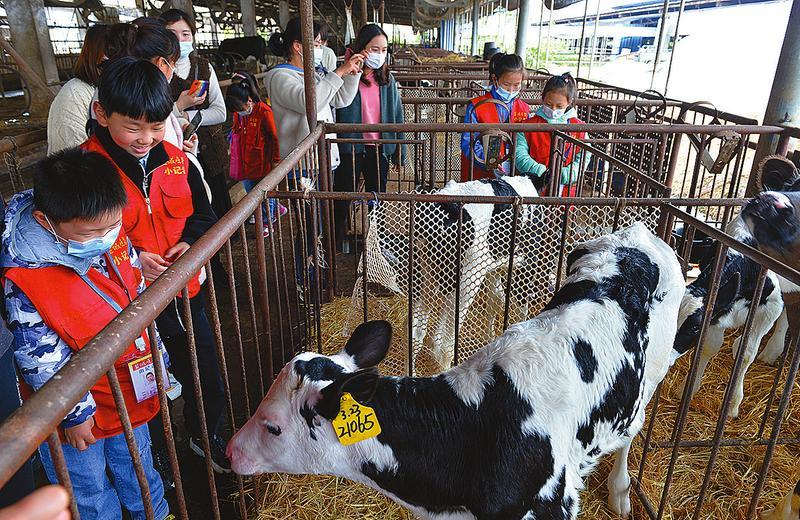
{"x": 533, "y": 148}
{"x": 254, "y": 139}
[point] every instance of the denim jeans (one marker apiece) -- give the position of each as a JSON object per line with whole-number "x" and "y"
{"x": 271, "y": 211}
{"x": 99, "y": 498}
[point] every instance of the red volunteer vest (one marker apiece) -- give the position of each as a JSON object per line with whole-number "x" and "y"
{"x": 259, "y": 141}
{"x": 77, "y": 314}
{"x": 539, "y": 150}
{"x": 486, "y": 112}
{"x": 159, "y": 227}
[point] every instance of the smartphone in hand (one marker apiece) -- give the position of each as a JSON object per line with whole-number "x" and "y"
{"x": 198, "y": 88}
{"x": 191, "y": 128}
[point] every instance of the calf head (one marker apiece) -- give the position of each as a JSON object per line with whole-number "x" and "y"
{"x": 779, "y": 174}
{"x": 291, "y": 431}
{"x": 693, "y": 309}
{"x": 774, "y": 221}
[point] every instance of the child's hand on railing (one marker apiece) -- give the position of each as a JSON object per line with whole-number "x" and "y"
{"x": 47, "y": 503}
{"x": 153, "y": 265}
{"x": 80, "y": 437}
{"x": 176, "y": 251}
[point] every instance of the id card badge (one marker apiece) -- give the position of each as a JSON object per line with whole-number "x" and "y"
{"x": 143, "y": 377}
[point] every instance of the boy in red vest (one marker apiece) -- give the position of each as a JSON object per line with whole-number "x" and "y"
{"x": 501, "y": 104}
{"x": 69, "y": 269}
{"x": 167, "y": 211}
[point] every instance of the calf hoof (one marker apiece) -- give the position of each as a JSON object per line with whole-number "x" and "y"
{"x": 620, "y": 503}
{"x": 769, "y": 358}
{"x": 733, "y": 413}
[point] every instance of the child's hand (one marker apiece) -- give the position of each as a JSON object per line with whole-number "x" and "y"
{"x": 153, "y": 265}
{"x": 47, "y": 503}
{"x": 80, "y": 437}
{"x": 186, "y": 100}
{"x": 176, "y": 251}
{"x": 189, "y": 144}
{"x": 353, "y": 65}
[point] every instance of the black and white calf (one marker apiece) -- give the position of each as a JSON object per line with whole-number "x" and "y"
{"x": 734, "y": 299}
{"x": 512, "y": 432}
{"x": 484, "y": 251}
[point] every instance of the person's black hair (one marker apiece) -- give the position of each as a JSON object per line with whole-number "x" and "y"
{"x": 144, "y": 38}
{"x": 243, "y": 87}
{"x": 134, "y": 88}
{"x": 171, "y": 16}
{"x": 87, "y": 67}
{"x": 564, "y": 84}
{"x": 324, "y": 32}
{"x": 364, "y": 36}
{"x": 502, "y": 63}
{"x": 77, "y": 184}
{"x": 280, "y": 43}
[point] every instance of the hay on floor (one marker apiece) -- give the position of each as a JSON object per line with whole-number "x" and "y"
{"x": 733, "y": 478}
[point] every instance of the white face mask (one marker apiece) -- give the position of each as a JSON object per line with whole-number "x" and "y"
{"x": 375, "y": 60}
{"x": 186, "y": 49}
{"x": 318, "y": 52}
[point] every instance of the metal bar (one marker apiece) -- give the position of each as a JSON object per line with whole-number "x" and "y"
{"x": 725, "y": 443}
{"x": 514, "y": 224}
{"x": 282, "y": 323}
{"x": 728, "y": 395}
{"x": 661, "y": 31}
{"x": 583, "y": 34}
{"x": 130, "y": 440}
{"x": 248, "y": 277}
{"x": 169, "y": 437}
{"x": 317, "y": 271}
{"x": 457, "y": 300}
{"x": 411, "y": 216}
{"x": 263, "y": 289}
{"x": 307, "y": 28}
{"x": 592, "y": 45}
{"x": 541, "y": 127}
{"x": 237, "y": 328}
{"x": 674, "y": 44}
{"x": 780, "y": 415}
{"x": 198, "y": 393}
{"x": 60, "y": 465}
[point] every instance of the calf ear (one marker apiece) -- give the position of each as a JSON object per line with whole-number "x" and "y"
{"x": 369, "y": 343}
{"x": 360, "y": 384}
{"x": 727, "y": 294}
{"x": 779, "y": 174}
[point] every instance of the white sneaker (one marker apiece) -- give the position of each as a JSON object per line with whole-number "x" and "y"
{"x": 175, "y": 389}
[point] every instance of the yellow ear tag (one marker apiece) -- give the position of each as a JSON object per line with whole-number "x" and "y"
{"x": 355, "y": 422}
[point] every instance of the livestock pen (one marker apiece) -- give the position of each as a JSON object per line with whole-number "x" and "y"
{"x": 688, "y": 462}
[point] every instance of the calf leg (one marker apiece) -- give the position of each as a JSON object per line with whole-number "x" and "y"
{"x": 713, "y": 342}
{"x": 764, "y": 319}
{"x": 619, "y": 483}
{"x": 776, "y": 343}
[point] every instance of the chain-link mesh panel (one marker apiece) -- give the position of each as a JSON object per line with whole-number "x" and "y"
{"x": 443, "y": 269}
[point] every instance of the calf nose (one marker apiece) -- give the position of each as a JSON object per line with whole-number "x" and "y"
{"x": 775, "y": 199}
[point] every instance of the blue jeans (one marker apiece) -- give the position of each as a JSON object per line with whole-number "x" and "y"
{"x": 271, "y": 211}
{"x": 99, "y": 498}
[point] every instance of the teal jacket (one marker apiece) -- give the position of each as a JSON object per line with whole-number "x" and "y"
{"x": 391, "y": 112}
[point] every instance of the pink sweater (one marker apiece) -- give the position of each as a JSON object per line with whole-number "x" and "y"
{"x": 370, "y": 104}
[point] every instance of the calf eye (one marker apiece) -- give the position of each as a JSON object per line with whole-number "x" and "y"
{"x": 272, "y": 428}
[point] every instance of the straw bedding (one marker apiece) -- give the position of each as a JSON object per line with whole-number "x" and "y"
{"x": 733, "y": 478}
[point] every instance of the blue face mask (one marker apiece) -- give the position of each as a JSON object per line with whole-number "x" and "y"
{"x": 505, "y": 95}
{"x": 91, "y": 248}
{"x": 186, "y": 49}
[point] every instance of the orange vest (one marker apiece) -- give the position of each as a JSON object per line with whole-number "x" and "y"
{"x": 486, "y": 112}
{"x": 156, "y": 227}
{"x": 77, "y": 314}
{"x": 259, "y": 141}
{"x": 539, "y": 142}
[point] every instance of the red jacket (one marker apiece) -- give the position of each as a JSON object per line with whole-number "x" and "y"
{"x": 156, "y": 224}
{"x": 77, "y": 314}
{"x": 486, "y": 112}
{"x": 539, "y": 150}
{"x": 259, "y": 141}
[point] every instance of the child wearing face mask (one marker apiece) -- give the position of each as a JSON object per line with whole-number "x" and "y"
{"x": 500, "y": 105}
{"x": 67, "y": 233}
{"x": 377, "y": 101}
{"x": 255, "y": 137}
{"x": 533, "y": 148}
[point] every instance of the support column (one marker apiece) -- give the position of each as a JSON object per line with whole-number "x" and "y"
{"x": 523, "y": 25}
{"x": 283, "y": 14}
{"x": 31, "y": 38}
{"x": 184, "y": 5}
{"x": 476, "y": 16}
{"x": 784, "y": 100}
{"x": 249, "y": 17}
{"x": 383, "y": 12}
{"x": 364, "y": 15}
